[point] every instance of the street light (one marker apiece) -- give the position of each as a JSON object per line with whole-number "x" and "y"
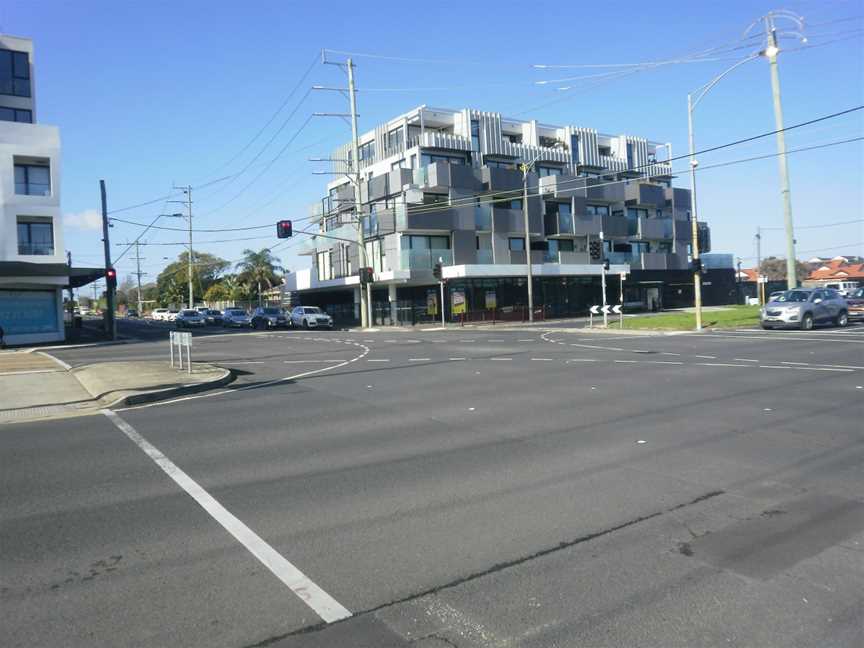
{"x": 694, "y": 227}
{"x": 525, "y": 169}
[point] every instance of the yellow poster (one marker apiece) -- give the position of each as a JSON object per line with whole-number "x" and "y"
{"x": 431, "y": 303}
{"x": 457, "y": 298}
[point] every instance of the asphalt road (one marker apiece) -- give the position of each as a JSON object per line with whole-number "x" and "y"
{"x": 474, "y": 488}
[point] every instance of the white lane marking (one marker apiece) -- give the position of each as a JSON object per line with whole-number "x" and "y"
{"x": 500, "y": 358}
{"x": 66, "y": 366}
{"x": 467, "y": 340}
{"x": 418, "y": 359}
{"x": 455, "y": 358}
{"x": 745, "y": 360}
{"x": 626, "y": 361}
{"x": 721, "y": 364}
{"x": 310, "y": 361}
{"x": 324, "y": 605}
{"x": 823, "y": 369}
{"x": 311, "y": 372}
{"x": 239, "y": 362}
{"x": 773, "y": 367}
{"x": 543, "y": 359}
{"x": 495, "y": 340}
{"x": 525, "y": 340}
{"x": 669, "y": 362}
{"x": 794, "y": 363}
{"x": 842, "y": 366}
{"x": 379, "y": 360}
{"x": 707, "y": 357}
{"x": 785, "y": 337}
{"x": 669, "y": 353}
{"x": 583, "y": 360}
{"x": 29, "y": 371}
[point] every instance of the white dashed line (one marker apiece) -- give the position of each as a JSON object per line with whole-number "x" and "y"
{"x": 823, "y": 369}
{"x": 706, "y": 357}
{"x": 584, "y": 360}
{"x": 418, "y": 359}
{"x": 745, "y": 360}
{"x": 794, "y": 363}
{"x": 455, "y": 358}
{"x": 324, "y": 605}
{"x": 543, "y": 359}
{"x": 310, "y": 361}
{"x": 626, "y": 361}
{"x": 526, "y": 340}
{"x": 668, "y": 362}
{"x": 669, "y": 353}
{"x": 500, "y": 358}
{"x": 773, "y": 367}
{"x": 379, "y": 360}
{"x": 724, "y": 364}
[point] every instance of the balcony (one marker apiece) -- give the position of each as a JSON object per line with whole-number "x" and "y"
{"x": 439, "y": 140}
{"x": 424, "y": 259}
{"x": 483, "y": 217}
{"x": 484, "y": 257}
{"x": 655, "y": 229}
{"x": 518, "y": 257}
{"x": 558, "y": 224}
{"x": 36, "y": 249}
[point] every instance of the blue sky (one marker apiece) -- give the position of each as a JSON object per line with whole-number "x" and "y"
{"x": 151, "y": 94}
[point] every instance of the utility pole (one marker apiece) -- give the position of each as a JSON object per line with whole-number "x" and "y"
{"x": 603, "y": 286}
{"x": 694, "y": 227}
{"x": 138, "y": 273}
{"x": 188, "y": 202}
{"x": 759, "y": 264}
{"x": 358, "y": 201}
{"x": 109, "y": 290}
{"x": 771, "y": 52}
{"x": 530, "y": 270}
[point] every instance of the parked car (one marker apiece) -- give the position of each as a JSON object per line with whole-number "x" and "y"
{"x": 172, "y": 315}
{"x": 804, "y": 308}
{"x": 774, "y": 295}
{"x": 189, "y": 318}
{"x": 855, "y": 304}
{"x": 235, "y": 317}
{"x": 267, "y": 317}
{"x": 845, "y": 288}
{"x": 159, "y": 314}
{"x": 212, "y": 316}
{"x": 310, "y": 317}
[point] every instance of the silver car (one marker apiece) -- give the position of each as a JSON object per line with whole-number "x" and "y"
{"x": 804, "y": 308}
{"x": 310, "y": 317}
{"x": 236, "y": 317}
{"x": 188, "y": 319}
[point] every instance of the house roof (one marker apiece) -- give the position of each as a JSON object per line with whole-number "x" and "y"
{"x": 748, "y": 274}
{"x": 838, "y": 269}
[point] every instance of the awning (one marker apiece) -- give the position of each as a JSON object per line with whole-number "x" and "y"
{"x": 77, "y": 277}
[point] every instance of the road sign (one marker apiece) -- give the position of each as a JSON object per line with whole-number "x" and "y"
{"x": 181, "y": 339}
{"x": 623, "y": 276}
{"x": 616, "y": 309}
{"x": 595, "y": 310}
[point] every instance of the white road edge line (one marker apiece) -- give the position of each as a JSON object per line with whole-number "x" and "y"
{"x": 378, "y": 360}
{"x": 324, "y": 605}
{"x": 308, "y": 361}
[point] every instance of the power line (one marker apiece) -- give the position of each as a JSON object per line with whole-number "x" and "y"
{"x": 800, "y": 227}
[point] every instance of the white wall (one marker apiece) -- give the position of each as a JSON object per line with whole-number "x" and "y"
{"x": 31, "y": 140}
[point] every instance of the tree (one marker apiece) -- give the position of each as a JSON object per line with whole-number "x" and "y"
{"x": 172, "y": 282}
{"x": 775, "y": 269}
{"x": 259, "y": 269}
{"x": 217, "y": 292}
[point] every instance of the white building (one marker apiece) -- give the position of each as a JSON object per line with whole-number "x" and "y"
{"x": 33, "y": 269}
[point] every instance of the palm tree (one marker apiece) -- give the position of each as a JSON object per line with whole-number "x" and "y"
{"x": 258, "y": 268}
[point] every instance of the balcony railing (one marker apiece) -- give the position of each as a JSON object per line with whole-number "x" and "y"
{"x": 35, "y": 249}
{"x": 484, "y": 257}
{"x": 483, "y": 217}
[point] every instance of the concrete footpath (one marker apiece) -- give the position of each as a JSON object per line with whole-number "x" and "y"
{"x": 35, "y": 385}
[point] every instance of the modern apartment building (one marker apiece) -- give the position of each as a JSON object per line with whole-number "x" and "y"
{"x": 33, "y": 268}
{"x": 440, "y": 185}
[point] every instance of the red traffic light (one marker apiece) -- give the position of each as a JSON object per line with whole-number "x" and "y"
{"x": 110, "y": 277}
{"x": 283, "y": 229}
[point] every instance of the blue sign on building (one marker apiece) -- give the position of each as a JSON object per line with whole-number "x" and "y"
{"x": 28, "y": 311}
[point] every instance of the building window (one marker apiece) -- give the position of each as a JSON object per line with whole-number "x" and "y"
{"x": 475, "y": 135}
{"x": 16, "y": 115}
{"x": 574, "y": 149}
{"x": 399, "y": 164}
{"x": 420, "y": 242}
{"x": 544, "y": 171}
{"x": 549, "y": 142}
{"x": 629, "y": 155}
{"x": 394, "y": 139}
{"x": 14, "y": 73}
{"x": 366, "y": 152}
{"x": 517, "y": 243}
{"x": 512, "y": 138}
{"x": 499, "y": 164}
{"x": 597, "y": 210}
{"x": 325, "y": 270}
{"x": 32, "y": 179}
{"x": 604, "y": 150}
{"x": 35, "y": 235}
{"x": 429, "y": 158}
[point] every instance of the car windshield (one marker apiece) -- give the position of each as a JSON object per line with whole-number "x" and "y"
{"x": 859, "y": 294}
{"x": 213, "y": 312}
{"x": 173, "y": 311}
{"x": 312, "y": 310}
{"x": 236, "y": 313}
{"x": 271, "y": 311}
{"x": 793, "y": 296}
{"x": 190, "y": 313}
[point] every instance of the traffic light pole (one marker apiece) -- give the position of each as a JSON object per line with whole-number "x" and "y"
{"x": 603, "y": 287}
{"x": 441, "y": 283}
{"x": 110, "y": 325}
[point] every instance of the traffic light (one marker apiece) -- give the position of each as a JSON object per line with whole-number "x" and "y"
{"x": 111, "y": 278}
{"x": 366, "y": 275}
{"x": 595, "y": 248}
{"x": 696, "y": 265}
{"x": 436, "y": 271}
{"x": 606, "y": 265}
{"x": 283, "y": 229}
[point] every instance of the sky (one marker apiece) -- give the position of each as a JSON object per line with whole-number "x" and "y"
{"x": 149, "y": 95}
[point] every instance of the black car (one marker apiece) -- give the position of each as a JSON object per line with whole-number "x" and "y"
{"x": 269, "y": 317}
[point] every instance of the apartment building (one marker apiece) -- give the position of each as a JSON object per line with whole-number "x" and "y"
{"x": 441, "y": 185}
{"x": 33, "y": 268}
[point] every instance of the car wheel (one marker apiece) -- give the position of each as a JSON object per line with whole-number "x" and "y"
{"x": 842, "y": 319}
{"x": 306, "y": 324}
{"x": 807, "y": 322}
{"x": 766, "y": 327}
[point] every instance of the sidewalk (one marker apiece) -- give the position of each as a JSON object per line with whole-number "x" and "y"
{"x": 35, "y": 385}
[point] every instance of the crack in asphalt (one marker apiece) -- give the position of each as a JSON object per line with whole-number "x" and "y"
{"x": 494, "y": 568}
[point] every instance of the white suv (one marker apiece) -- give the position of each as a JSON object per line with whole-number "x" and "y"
{"x": 159, "y": 314}
{"x": 310, "y": 317}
